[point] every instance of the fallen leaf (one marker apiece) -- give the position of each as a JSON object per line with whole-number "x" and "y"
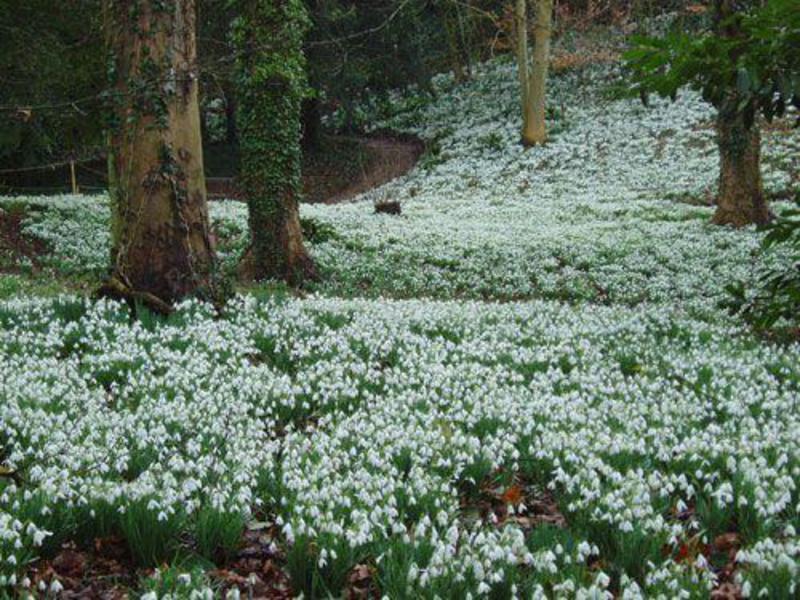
{"x": 727, "y": 541}
{"x": 258, "y": 525}
{"x": 360, "y": 583}
{"x": 69, "y": 563}
{"x": 360, "y": 573}
{"x": 727, "y": 591}
{"x": 512, "y": 495}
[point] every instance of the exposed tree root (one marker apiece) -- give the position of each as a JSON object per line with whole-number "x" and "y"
{"x": 117, "y": 290}
{"x": 301, "y": 271}
{"x": 742, "y": 218}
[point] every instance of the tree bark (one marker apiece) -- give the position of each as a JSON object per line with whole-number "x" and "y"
{"x": 740, "y": 199}
{"x": 458, "y": 55}
{"x": 272, "y": 87}
{"x": 523, "y": 68}
{"x": 537, "y": 127}
{"x": 161, "y": 243}
{"x": 533, "y": 77}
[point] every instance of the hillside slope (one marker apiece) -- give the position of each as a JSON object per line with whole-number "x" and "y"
{"x": 604, "y": 430}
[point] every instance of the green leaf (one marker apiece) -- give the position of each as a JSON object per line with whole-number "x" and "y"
{"x": 743, "y": 81}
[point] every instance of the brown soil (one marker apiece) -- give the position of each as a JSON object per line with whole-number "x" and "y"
{"x": 344, "y": 167}
{"x": 386, "y": 157}
{"x": 105, "y": 570}
{"x": 14, "y": 245}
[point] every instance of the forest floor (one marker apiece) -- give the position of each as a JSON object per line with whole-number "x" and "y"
{"x": 18, "y": 252}
{"x": 526, "y": 385}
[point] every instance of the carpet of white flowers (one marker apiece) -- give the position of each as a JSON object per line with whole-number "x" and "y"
{"x": 565, "y": 345}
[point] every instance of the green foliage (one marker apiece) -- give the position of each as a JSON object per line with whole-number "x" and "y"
{"x": 50, "y": 56}
{"x": 777, "y": 293}
{"x": 152, "y": 534}
{"x": 178, "y": 582}
{"x": 217, "y": 533}
{"x": 492, "y": 141}
{"x": 316, "y": 231}
{"x": 750, "y": 55}
{"x": 545, "y": 537}
{"x": 321, "y": 573}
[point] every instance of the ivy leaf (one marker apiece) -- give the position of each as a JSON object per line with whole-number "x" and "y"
{"x": 743, "y": 81}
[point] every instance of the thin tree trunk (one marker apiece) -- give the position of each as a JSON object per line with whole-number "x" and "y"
{"x": 161, "y": 243}
{"x": 453, "y": 43}
{"x": 465, "y": 38}
{"x": 536, "y": 132}
{"x": 455, "y": 56}
{"x": 312, "y": 123}
{"x": 231, "y": 134}
{"x": 740, "y": 199}
{"x": 272, "y": 86}
{"x": 523, "y": 67}
{"x": 533, "y": 77}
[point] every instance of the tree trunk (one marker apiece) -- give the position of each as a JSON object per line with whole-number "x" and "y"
{"x": 537, "y": 132}
{"x": 452, "y": 28}
{"x": 459, "y": 73}
{"x": 269, "y": 36}
{"x": 231, "y": 135}
{"x": 523, "y": 68}
{"x": 312, "y": 124}
{"x": 533, "y": 78}
{"x": 740, "y": 199}
{"x": 161, "y": 243}
{"x": 465, "y": 37}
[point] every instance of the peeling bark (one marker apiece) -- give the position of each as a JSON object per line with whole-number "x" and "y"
{"x": 161, "y": 243}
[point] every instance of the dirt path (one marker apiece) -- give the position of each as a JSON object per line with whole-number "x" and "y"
{"x": 386, "y": 158}
{"x": 14, "y": 245}
{"x": 344, "y": 167}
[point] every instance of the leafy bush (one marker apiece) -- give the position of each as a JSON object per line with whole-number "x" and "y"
{"x": 759, "y": 64}
{"x": 777, "y": 293}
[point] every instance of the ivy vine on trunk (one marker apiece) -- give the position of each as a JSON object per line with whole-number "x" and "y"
{"x": 271, "y": 82}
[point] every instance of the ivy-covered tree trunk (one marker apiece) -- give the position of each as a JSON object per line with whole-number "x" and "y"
{"x": 740, "y": 199}
{"x": 161, "y": 245}
{"x": 271, "y": 86}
